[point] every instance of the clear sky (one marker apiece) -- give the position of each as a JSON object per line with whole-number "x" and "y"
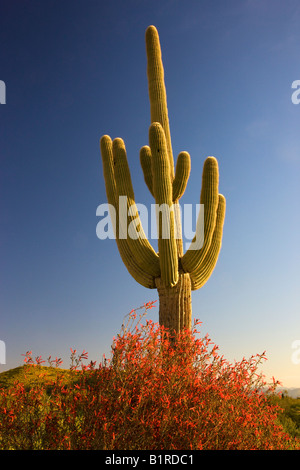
{"x": 75, "y": 70}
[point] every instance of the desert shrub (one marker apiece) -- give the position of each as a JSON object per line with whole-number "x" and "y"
{"x": 289, "y": 413}
{"x": 153, "y": 393}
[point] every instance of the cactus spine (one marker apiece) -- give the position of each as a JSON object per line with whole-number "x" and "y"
{"x": 173, "y": 273}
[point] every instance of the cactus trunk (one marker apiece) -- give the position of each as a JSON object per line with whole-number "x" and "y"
{"x": 175, "y": 303}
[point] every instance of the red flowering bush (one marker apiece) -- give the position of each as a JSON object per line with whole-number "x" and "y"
{"x": 153, "y": 394}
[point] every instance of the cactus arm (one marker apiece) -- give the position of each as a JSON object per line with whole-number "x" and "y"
{"x": 121, "y": 169}
{"x": 157, "y": 89}
{"x": 162, "y": 189}
{"x": 142, "y": 250}
{"x": 202, "y": 274}
{"x": 182, "y": 173}
{"x": 145, "y": 160}
{"x": 141, "y": 276}
{"x": 108, "y": 169}
{"x": 193, "y": 258}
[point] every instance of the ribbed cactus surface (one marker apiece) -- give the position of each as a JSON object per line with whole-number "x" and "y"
{"x": 173, "y": 273}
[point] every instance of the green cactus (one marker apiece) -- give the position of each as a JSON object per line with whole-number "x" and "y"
{"x": 172, "y": 272}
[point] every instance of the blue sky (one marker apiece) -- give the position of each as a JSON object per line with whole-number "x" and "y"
{"x": 75, "y": 70}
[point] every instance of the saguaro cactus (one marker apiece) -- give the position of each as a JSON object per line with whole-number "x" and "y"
{"x": 172, "y": 272}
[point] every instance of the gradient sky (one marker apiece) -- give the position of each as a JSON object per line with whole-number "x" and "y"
{"x": 75, "y": 70}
